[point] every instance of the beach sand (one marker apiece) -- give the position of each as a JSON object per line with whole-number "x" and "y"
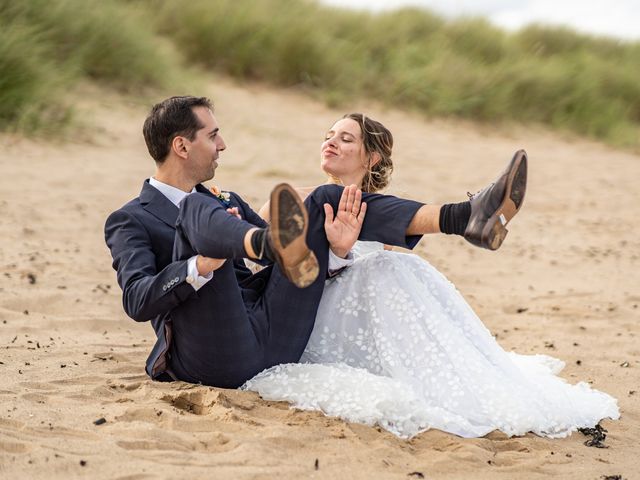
{"x": 565, "y": 283}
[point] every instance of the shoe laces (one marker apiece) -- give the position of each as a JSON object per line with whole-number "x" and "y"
{"x": 471, "y": 195}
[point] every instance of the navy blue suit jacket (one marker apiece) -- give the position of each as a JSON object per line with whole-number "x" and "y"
{"x": 140, "y": 236}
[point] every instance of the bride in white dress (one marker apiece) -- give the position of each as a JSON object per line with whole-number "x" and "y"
{"x": 395, "y": 343}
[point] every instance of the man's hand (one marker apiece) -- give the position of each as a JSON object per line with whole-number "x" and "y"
{"x": 206, "y": 265}
{"x": 343, "y": 230}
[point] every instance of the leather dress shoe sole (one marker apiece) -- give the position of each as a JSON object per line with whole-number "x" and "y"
{"x": 494, "y": 231}
{"x": 288, "y": 232}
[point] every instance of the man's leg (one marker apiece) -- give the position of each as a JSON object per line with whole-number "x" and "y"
{"x": 205, "y": 227}
{"x": 216, "y": 339}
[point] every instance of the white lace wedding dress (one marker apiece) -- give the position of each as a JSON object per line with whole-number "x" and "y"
{"x": 395, "y": 344}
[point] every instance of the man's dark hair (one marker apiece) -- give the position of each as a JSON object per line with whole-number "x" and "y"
{"x": 171, "y": 118}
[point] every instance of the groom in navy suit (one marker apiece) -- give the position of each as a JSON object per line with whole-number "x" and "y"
{"x": 178, "y": 250}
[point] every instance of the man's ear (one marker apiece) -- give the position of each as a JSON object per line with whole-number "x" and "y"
{"x": 179, "y": 146}
{"x": 375, "y": 159}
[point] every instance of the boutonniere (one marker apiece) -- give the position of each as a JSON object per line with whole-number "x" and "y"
{"x": 224, "y": 197}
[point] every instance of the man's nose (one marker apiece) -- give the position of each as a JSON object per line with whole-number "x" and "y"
{"x": 221, "y": 144}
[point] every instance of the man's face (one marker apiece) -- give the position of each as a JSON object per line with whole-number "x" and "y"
{"x": 205, "y": 148}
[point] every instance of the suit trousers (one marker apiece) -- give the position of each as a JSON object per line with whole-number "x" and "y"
{"x": 231, "y": 330}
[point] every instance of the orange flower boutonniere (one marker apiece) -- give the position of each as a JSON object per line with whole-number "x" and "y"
{"x": 224, "y": 197}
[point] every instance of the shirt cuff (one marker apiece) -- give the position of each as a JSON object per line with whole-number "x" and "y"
{"x": 194, "y": 279}
{"x": 337, "y": 264}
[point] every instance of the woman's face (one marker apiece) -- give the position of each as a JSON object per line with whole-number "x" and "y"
{"x": 343, "y": 154}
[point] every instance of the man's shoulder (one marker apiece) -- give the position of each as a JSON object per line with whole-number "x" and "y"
{"x": 132, "y": 210}
{"x": 133, "y": 206}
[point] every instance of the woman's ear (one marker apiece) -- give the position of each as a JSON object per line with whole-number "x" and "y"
{"x": 375, "y": 159}
{"x": 179, "y": 146}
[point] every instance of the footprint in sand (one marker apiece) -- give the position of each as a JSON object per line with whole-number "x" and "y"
{"x": 8, "y": 446}
{"x": 170, "y": 442}
{"x": 198, "y": 402}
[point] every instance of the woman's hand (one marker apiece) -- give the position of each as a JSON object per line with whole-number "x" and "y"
{"x": 343, "y": 229}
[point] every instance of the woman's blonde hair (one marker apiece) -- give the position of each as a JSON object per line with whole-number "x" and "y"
{"x": 377, "y": 139}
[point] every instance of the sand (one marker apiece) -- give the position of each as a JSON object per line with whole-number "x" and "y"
{"x": 565, "y": 283}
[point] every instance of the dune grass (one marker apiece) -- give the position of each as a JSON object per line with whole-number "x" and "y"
{"x": 408, "y": 58}
{"x": 47, "y": 46}
{"x": 413, "y": 59}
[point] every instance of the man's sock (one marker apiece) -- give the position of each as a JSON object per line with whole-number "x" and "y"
{"x": 454, "y": 217}
{"x": 260, "y": 245}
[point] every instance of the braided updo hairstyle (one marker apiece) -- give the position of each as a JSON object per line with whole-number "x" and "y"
{"x": 376, "y": 138}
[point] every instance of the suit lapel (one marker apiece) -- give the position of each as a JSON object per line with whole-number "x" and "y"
{"x": 202, "y": 189}
{"x": 157, "y": 204}
{"x": 153, "y": 201}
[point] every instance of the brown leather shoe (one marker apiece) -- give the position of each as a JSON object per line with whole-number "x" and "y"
{"x": 287, "y": 234}
{"x": 493, "y": 207}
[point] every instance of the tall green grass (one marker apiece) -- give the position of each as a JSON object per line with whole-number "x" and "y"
{"x": 408, "y": 58}
{"x": 48, "y": 46}
{"x": 413, "y": 59}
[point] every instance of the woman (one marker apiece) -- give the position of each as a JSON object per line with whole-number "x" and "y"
{"x": 395, "y": 343}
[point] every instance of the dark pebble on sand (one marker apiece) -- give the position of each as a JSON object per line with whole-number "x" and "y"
{"x": 597, "y": 435}
{"x": 100, "y": 421}
{"x": 624, "y": 364}
{"x": 521, "y": 310}
{"x": 83, "y": 463}
{"x": 26, "y": 312}
{"x": 578, "y": 362}
{"x": 612, "y": 477}
{"x": 421, "y": 475}
{"x": 316, "y": 464}
{"x": 63, "y": 366}
{"x": 32, "y": 278}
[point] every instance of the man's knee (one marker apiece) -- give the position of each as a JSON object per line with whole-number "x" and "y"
{"x": 195, "y": 205}
{"x": 193, "y": 202}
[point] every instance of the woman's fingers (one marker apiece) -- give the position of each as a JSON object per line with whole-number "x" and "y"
{"x": 328, "y": 215}
{"x": 350, "y": 202}
{"x": 357, "y": 200}
{"x": 342, "y": 205}
{"x": 363, "y": 211}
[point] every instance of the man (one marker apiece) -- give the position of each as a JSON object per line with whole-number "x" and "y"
{"x": 178, "y": 251}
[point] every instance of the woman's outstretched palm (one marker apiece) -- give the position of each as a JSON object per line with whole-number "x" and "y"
{"x": 343, "y": 229}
